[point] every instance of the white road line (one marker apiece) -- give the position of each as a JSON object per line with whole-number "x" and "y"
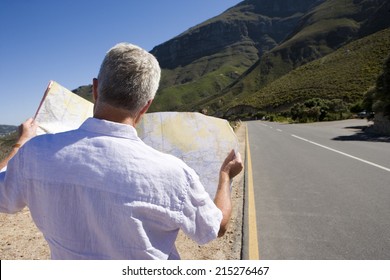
{"x": 342, "y": 153}
{"x": 279, "y": 130}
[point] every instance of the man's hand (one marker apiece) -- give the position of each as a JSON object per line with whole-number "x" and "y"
{"x": 230, "y": 168}
{"x": 232, "y": 165}
{"x": 27, "y": 130}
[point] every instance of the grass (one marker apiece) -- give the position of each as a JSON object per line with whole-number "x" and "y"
{"x": 6, "y": 143}
{"x": 202, "y": 79}
{"x": 345, "y": 74}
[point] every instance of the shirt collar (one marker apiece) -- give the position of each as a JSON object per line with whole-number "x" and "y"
{"x": 109, "y": 128}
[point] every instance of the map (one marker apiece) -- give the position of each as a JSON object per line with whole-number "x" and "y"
{"x": 202, "y": 142}
{"x": 61, "y": 110}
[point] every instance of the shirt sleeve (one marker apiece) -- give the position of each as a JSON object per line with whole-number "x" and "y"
{"x": 201, "y": 218}
{"x": 12, "y": 198}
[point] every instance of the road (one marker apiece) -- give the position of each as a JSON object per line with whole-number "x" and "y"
{"x": 321, "y": 191}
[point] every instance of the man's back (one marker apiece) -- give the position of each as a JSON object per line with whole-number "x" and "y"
{"x": 100, "y": 193}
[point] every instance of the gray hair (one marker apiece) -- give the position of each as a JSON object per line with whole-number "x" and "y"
{"x": 128, "y": 78}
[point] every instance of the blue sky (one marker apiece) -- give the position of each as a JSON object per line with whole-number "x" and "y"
{"x": 65, "y": 41}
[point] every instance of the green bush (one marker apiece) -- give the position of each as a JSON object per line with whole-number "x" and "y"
{"x": 317, "y": 109}
{"x": 377, "y": 98}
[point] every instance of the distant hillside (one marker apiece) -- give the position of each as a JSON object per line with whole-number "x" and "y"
{"x": 7, "y": 140}
{"x": 271, "y": 54}
{"x": 321, "y": 31}
{"x": 325, "y": 27}
{"x": 6, "y": 129}
{"x": 85, "y": 92}
{"x": 208, "y": 57}
{"x": 345, "y": 74}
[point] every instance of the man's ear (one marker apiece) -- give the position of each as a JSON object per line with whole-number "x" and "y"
{"x": 95, "y": 89}
{"x": 143, "y": 111}
{"x": 146, "y": 107}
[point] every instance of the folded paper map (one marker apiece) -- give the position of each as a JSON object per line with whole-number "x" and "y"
{"x": 61, "y": 110}
{"x": 201, "y": 141}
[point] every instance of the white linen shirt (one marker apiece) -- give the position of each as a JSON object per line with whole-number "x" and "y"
{"x": 99, "y": 192}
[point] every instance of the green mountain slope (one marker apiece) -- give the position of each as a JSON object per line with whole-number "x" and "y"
{"x": 345, "y": 74}
{"x": 325, "y": 28}
{"x": 205, "y": 59}
{"x": 257, "y": 56}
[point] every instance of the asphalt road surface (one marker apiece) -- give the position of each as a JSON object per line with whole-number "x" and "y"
{"x": 321, "y": 191}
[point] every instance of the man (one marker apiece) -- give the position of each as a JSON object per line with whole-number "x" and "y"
{"x": 99, "y": 192}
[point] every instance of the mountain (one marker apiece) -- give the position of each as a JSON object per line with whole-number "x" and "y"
{"x": 6, "y": 129}
{"x": 8, "y": 137}
{"x": 343, "y": 76}
{"x": 269, "y": 55}
{"x": 85, "y": 92}
{"x": 208, "y": 57}
{"x": 220, "y": 63}
{"x": 259, "y": 24}
{"x": 325, "y": 28}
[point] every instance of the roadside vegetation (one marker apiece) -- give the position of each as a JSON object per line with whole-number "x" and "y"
{"x": 377, "y": 98}
{"x": 330, "y": 88}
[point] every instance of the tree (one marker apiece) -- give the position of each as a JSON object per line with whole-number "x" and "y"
{"x": 378, "y": 98}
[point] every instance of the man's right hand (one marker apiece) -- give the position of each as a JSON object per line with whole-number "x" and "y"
{"x": 230, "y": 168}
{"x": 232, "y": 165}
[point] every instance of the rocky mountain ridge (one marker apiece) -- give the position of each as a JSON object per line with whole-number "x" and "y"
{"x": 261, "y": 23}
{"x": 231, "y": 58}
{"x": 283, "y": 35}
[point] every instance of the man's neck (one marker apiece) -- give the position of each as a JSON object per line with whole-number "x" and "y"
{"x": 113, "y": 114}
